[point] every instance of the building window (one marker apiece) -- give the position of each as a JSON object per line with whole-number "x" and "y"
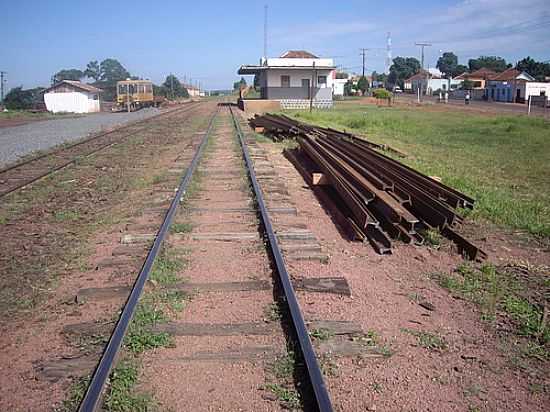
{"x": 285, "y": 81}
{"x": 322, "y": 80}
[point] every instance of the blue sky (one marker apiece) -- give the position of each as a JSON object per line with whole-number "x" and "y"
{"x": 208, "y": 40}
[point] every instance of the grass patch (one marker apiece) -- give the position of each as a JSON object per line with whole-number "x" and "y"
{"x": 121, "y": 396}
{"x": 165, "y": 270}
{"x": 66, "y": 216}
{"x": 280, "y": 382}
{"x": 75, "y": 393}
{"x": 181, "y": 227}
{"x": 429, "y": 340}
{"x": 272, "y": 312}
{"x": 498, "y": 293}
{"x": 321, "y": 334}
{"x": 140, "y": 337}
{"x": 503, "y": 162}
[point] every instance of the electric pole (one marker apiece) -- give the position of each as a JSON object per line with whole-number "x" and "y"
{"x": 2, "y": 73}
{"x": 265, "y": 31}
{"x": 364, "y": 54}
{"x": 422, "y": 46}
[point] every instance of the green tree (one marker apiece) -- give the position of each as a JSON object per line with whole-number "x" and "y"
{"x": 447, "y": 64}
{"x": 363, "y": 84}
{"x": 67, "y": 74}
{"x": 174, "y": 88}
{"x": 460, "y": 69}
{"x": 348, "y": 88}
{"x": 111, "y": 71}
{"x": 92, "y": 70}
{"x": 19, "y": 99}
{"x": 240, "y": 84}
{"x": 401, "y": 69}
{"x": 498, "y": 64}
{"x": 538, "y": 70}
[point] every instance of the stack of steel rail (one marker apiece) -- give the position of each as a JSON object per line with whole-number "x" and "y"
{"x": 380, "y": 197}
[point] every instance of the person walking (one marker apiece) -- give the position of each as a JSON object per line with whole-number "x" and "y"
{"x": 467, "y": 98}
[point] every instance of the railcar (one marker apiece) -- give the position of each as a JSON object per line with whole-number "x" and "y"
{"x": 133, "y": 95}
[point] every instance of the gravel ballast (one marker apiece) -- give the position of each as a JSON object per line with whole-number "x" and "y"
{"x": 19, "y": 141}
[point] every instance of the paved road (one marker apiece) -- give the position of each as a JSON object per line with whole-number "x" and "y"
{"x": 19, "y": 141}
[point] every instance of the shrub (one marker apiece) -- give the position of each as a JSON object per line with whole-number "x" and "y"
{"x": 381, "y": 94}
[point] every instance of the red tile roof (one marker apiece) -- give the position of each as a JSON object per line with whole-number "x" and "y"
{"x": 298, "y": 54}
{"x": 482, "y": 73}
{"x": 509, "y": 74}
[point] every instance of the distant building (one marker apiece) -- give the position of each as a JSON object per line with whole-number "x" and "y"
{"x": 478, "y": 78}
{"x": 192, "y": 90}
{"x": 430, "y": 82}
{"x": 514, "y": 86}
{"x": 72, "y": 97}
{"x": 295, "y": 77}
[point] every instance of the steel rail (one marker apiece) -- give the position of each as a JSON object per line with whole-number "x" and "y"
{"x": 74, "y": 159}
{"x": 101, "y": 374}
{"x": 322, "y": 396}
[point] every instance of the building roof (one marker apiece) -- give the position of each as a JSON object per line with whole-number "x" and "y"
{"x": 77, "y": 85}
{"x": 298, "y": 54}
{"x": 483, "y": 73}
{"x": 513, "y": 74}
{"x": 421, "y": 75}
{"x": 252, "y": 69}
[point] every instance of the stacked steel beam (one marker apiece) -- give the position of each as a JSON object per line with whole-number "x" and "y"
{"x": 382, "y": 198}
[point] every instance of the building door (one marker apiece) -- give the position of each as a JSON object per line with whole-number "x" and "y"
{"x": 518, "y": 95}
{"x": 305, "y": 86}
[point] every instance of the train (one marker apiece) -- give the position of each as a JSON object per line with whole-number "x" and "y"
{"x": 132, "y": 95}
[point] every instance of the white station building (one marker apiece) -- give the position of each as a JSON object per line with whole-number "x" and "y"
{"x": 70, "y": 96}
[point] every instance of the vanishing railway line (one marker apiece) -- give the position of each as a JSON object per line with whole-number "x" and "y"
{"x": 23, "y": 173}
{"x": 229, "y": 167}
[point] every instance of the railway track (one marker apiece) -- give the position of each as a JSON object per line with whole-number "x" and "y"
{"x": 26, "y": 172}
{"x": 222, "y": 210}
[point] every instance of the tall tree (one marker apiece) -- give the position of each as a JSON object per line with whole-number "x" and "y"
{"x": 403, "y": 68}
{"x": 240, "y": 84}
{"x": 174, "y": 88}
{"x": 67, "y": 74}
{"x": 92, "y": 70}
{"x": 496, "y": 63}
{"x": 447, "y": 64}
{"x": 111, "y": 71}
{"x": 538, "y": 70}
{"x": 19, "y": 99}
{"x": 363, "y": 84}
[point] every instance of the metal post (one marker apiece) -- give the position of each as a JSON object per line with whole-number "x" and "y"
{"x": 2, "y": 73}
{"x": 128, "y": 97}
{"x": 529, "y": 106}
{"x": 311, "y": 89}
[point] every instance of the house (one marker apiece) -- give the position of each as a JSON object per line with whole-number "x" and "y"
{"x": 430, "y": 81}
{"x": 512, "y": 86}
{"x": 339, "y": 80}
{"x": 72, "y": 97}
{"x": 192, "y": 90}
{"x": 294, "y": 78}
{"x": 478, "y": 78}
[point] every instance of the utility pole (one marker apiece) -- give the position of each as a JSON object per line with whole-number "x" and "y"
{"x": 422, "y": 46}
{"x": 265, "y": 31}
{"x": 364, "y": 54}
{"x": 388, "y": 53}
{"x": 2, "y": 73}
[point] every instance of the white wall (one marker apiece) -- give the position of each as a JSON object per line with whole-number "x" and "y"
{"x": 535, "y": 89}
{"x": 338, "y": 86}
{"x": 73, "y": 102}
{"x": 296, "y": 76}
